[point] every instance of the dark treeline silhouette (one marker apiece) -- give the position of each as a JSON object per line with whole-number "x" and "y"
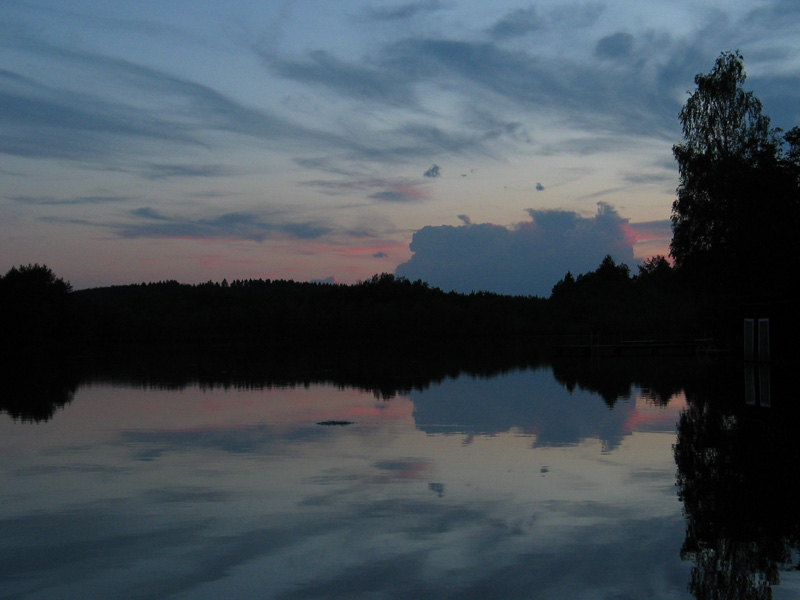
{"x": 384, "y": 307}
{"x": 34, "y": 306}
{"x": 41, "y": 306}
{"x": 655, "y": 303}
{"x": 265, "y": 311}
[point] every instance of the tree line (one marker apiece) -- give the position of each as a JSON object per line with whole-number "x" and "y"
{"x": 734, "y": 243}
{"x": 43, "y": 307}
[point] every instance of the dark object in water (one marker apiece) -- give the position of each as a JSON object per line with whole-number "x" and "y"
{"x": 335, "y": 422}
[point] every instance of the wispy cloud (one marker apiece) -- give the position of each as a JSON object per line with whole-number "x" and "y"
{"x": 151, "y": 223}
{"x": 519, "y": 22}
{"x": 400, "y": 193}
{"x": 69, "y": 201}
{"x": 403, "y": 11}
{"x": 165, "y": 171}
{"x": 384, "y": 190}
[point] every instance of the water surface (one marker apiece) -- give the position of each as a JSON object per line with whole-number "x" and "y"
{"x": 519, "y": 484}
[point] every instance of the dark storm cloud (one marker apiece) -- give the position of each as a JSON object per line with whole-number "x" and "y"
{"x": 526, "y": 259}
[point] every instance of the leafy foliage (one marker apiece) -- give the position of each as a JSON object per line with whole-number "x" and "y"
{"x": 35, "y": 305}
{"x": 738, "y": 201}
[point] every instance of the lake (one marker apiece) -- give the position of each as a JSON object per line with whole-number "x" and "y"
{"x": 587, "y": 478}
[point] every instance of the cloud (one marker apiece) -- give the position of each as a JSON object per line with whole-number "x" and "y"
{"x": 617, "y": 45}
{"x": 400, "y": 193}
{"x": 52, "y": 121}
{"x": 516, "y": 23}
{"x": 433, "y": 172}
{"x": 380, "y": 255}
{"x": 492, "y": 83}
{"x": 525, "y": 259}
{"x": 403, "y": 11}
{"x": 321, "y": 68}
{"x": 147, "y": 212}
{"x": 329, "y": 280}
{"x": 383, "y": 190}
{"x": 229, "y": 226}
{"x": 166, "y": 171}
{"x": 73, "y": 201}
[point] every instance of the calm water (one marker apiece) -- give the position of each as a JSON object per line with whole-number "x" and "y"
{"x": 523, "y": 484}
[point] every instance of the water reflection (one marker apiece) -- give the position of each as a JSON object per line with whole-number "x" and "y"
{"x": 34, "y": 389}
{"x": 479, "y": 473}
{"x": 736, "y": 460}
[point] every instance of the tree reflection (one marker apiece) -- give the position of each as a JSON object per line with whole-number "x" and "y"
{"x": 613, "y": 378}
{"x": 35, "y": 389}
{"x": 736, "y": 479}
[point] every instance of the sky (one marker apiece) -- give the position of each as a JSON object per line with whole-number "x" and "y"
{"x": 477, "y": 146}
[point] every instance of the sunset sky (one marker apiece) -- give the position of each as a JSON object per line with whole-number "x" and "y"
{"x": 474, "y": 145}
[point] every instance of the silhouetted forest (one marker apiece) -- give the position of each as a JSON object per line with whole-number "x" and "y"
{"x": 608, "y": 301}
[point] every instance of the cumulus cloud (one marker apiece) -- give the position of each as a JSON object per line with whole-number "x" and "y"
{"x": 524, "y": 259}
